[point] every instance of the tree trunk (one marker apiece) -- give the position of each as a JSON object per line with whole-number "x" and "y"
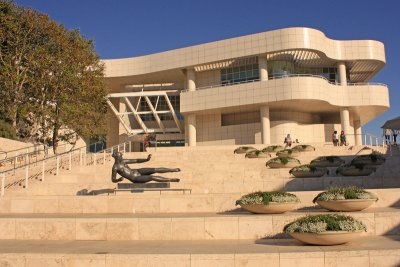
{"x": 55, "y": 130}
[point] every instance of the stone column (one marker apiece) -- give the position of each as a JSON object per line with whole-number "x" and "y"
{"x": 191, "y": 126}
{"x": 357, "y": 132}
{"x": 342, "y": 73}
{"x": 345, "y": 120}
{"x": 265, "y": 125}
{"x": 191, "y": 79}
{"x": 263, "y": 69}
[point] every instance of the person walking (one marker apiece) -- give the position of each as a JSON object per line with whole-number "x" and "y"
{"x": 343, "y": 139}
{"x": 288, "y": 141}
{"x": 395, "y": 132}
{"x": 387, "y": 133}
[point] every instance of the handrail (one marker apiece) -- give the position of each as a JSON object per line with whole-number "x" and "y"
{"x": 281, "y": 77}
{"x": 57, "y": 160}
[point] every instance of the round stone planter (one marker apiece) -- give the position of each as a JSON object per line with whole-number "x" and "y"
{"x": 304, "y": 174}
{"x": 244, "y": 149}
{"x": 273, "y": 149}
{"x": 277, "y": 165}
{"x": 257, "y": 154}
{"x": 284, "y": 153}
{"x": 272, "y": 207}
{"x": 328, "y": 238}
{"x": 346, "y": 204}
{"x": 353, "y": 171}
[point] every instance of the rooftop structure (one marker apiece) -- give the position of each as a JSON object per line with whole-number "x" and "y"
{"x": 253, "y": 89}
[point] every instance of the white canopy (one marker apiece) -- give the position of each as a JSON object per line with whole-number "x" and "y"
{"x": 393, "y": 124}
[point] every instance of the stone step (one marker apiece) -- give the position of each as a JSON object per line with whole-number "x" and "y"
{"x": 154, "y": 202}
{"x": 374, "y": 251}
{"x": 178, "y": 226}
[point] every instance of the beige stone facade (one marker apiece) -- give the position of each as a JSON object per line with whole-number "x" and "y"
{"x": 254, "y": 89}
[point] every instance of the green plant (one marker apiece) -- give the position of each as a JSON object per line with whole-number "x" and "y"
{"x": 283, "y": 160}
{"x": 266, "y": 197}
{"x": 305, "y": 167}
{"x": 326, "y": 222}
{"x": 371, "y": 157}
{"x": 7, "y": 131}
{"x": 272, "y": 148}
{"x": 243, "y": 149}
{"x": 341, "y": 193}
{"x": 286, "y": 151}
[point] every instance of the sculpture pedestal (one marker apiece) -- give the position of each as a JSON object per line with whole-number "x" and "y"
{"x": 142, "y": 185}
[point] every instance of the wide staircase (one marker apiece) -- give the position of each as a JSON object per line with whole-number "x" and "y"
{"x": 76, "y": 218}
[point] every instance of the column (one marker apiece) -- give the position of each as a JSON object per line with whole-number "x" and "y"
{"x": 342, "y": 73}
{"x": 263, "y": 69}
{"x": 265, "y": 125}
{"x": 345, "y": 120}
{"x": 357, "y": 132}
{"x": 191, "y": 79}
{"x": 191, "y": 126}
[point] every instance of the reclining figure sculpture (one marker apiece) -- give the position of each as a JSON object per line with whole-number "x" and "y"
{"x": 142, "y": 175}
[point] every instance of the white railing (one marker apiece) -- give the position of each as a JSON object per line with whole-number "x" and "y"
{"x": 52, "y": 165}
{"x": 34, "y": 154}
{"x": 281, "y": 77}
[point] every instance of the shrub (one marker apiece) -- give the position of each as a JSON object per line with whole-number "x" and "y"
{"x": 255, "y": 152}
{"x": 324, "y": 222}
{"x": 358, "y": 166}
{"x": 272, "y": 148}
{"x": 283, "y": 160}
{"x": 243, "y": 149}
{"x": 351, "y": 192}
{"x": 372, "y": 157}
{"x": 305, "y": 167}
{"x": 7, "y": 131}
{"x": 266, "y": 197}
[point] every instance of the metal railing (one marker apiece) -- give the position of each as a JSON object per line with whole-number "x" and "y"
{"x": 53, "y": 164}
{"x": 281, "y": 77}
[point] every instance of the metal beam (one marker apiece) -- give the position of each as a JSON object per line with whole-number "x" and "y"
{"x": 136, "y": 115}
{"x": 171, "y": 108}
{"x": 116, "y": 113}
{"x": 160, "y": 124}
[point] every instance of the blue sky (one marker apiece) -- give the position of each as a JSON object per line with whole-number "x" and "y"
{"x": 127, "y": 28}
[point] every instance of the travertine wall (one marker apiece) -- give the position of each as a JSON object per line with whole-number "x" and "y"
{"x": 210, "y": 131}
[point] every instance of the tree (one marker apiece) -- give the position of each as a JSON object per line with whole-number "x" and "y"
{"x": 54, "y": 84}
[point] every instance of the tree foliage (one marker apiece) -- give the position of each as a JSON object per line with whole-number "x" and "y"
{"x": 51, "y": 78}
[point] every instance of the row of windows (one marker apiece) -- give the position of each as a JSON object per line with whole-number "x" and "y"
{"x": 276, "y": 68}
{"x": 240, "y": 74}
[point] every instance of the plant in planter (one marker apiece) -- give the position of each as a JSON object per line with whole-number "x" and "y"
{"x": 302, "y": 148}
{"x": 371, "y": 159}
{"x": 244, "y": 149}
{"x": 327, "y": 161}
{"x": 257, "y": 154}
{"x": 283, "y": 162}
{"x": 355, "y": 170}
{"x": 268, "y": 202}
{"x": 288, "y": 153}
{"x": 308, "y": 170}
{"x": 273, "y": 149}
{"x": 349, "y": 198}
{"x": 326, "y": 229}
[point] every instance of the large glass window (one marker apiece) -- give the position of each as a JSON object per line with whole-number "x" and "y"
{"x": 240, "y": 74}
{"x": 283, "y": 68}
{"x": 162, "y": 105}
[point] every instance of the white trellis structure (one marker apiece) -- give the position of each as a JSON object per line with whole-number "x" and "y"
{"x": 133, "y": 100}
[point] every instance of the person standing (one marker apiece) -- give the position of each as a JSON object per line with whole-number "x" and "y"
{"x": 335, "y": 138}
{"x": 387, "y": 136}
{"x": 288, "y": 141}
{"x": 395, "y": 132}
{"x": 343, "y": 139}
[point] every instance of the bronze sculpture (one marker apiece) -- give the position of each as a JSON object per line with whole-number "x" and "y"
{"x": 142, "y": 175}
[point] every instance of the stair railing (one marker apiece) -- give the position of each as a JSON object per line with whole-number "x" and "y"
{"x": 53, "y": 164}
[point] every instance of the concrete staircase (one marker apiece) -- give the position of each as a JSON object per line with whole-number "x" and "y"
{"x": 52, "y": 224}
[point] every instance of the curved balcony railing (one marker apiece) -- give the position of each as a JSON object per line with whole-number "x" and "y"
{"x": 281, "y": 77}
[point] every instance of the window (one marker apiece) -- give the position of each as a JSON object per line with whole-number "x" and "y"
{"x": 240, "y": 74}
{"x": 162, "y": 105}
